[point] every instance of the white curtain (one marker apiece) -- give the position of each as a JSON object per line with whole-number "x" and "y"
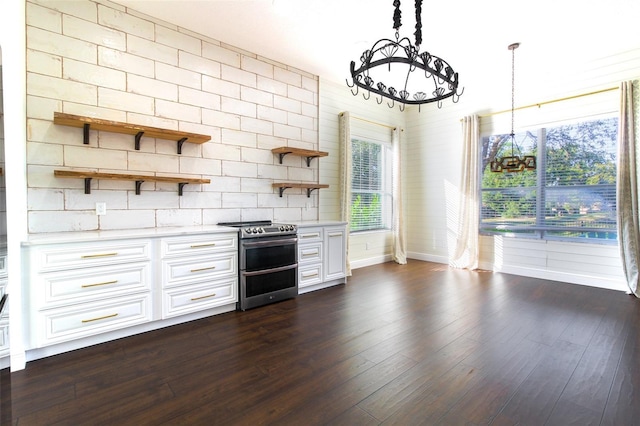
{"x": 345, "y": 175}
{"x": 399, "y": 233}
{"x": 627, "y": 190}
{"x": 465, "y": 254}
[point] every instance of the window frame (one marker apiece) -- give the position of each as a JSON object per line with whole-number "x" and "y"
{"x": 386, "y": 185}
{"x": 540, "y": 230}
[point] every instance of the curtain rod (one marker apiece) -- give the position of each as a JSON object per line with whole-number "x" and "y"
{"x": 371, "y": 122}
{"x": 539, "y": 104}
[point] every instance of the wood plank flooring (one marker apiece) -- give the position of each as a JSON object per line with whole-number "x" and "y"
{"x": 419, "y": 344}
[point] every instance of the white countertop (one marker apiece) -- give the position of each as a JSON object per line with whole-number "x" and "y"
{"x": 81, "y": 236}
{"x": 311, "y": 223}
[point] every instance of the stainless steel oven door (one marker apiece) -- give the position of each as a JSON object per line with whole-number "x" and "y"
{"x": 268, "y": 252}
{"x": 268, "y": 270}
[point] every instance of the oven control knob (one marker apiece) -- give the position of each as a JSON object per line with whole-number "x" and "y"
{"x": 248, "y": 230}
{"x": 281, "y": 228}
{"x": 260, "y": 230}
{"x": 255, "y": 230}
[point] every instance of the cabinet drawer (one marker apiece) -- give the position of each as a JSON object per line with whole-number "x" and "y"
{"x": 309, "y": 275}
{"x": 199, "y": 244}
{"x": 176, "y": 271}
{"x": 86, "y": 285}
{"x": 63, "y": 324}
{"x": 4, "y": 336}
{"x": 309, "y": 235}
{"x": 3, "y": 265}
{"x": 197, "y": 297}
{"x": 310, "y": 252}
{"x": 91, "y": 254}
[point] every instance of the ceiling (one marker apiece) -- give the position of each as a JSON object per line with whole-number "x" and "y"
{"x": 323, "y": 36}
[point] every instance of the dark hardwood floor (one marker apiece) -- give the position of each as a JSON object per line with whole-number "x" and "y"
{"x": 402, "y": 345}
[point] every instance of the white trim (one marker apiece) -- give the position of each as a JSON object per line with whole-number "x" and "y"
{"x": 370, "y": 261}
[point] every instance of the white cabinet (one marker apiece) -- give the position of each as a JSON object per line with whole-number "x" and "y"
{"x": 321, "y": 256}
{"x": 198, "y": 272}
{"x": 335, "y": 252}
{"x": 81, "y": 289}
{"x": 4, "y": 317}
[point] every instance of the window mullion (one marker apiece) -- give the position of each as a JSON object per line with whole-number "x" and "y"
{"x": 541, "y": 178}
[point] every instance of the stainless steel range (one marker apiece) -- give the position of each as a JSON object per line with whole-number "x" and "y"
{"x": 268, "y": 262}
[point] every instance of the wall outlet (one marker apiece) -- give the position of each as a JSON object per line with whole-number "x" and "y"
{"x": 101, "y": 209}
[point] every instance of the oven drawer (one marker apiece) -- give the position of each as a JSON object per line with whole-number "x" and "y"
{"x": 199, "y": 244}
{"x": 177, "y": 271}
{"x": 197, "y": 297}
{"x": 78, "y": 286}
{"x": 63, "y": 324}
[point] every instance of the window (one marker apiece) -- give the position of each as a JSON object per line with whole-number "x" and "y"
{"x": 571, "y": 195}
{"x": 371, "y": 186}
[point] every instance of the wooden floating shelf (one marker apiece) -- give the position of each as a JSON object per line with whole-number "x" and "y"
{"x": 138, "y": 131}
{"x": 308, "y": 186}
{"x": 306, "y": 153}
{"x": 139, "y": 179}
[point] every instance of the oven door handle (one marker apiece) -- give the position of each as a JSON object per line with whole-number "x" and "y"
{"x": 270, "y": 271}
{"x": 269, "y": 242}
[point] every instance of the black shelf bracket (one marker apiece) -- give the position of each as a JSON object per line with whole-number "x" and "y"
{"x": 85, "y": 133}
{"x": 309, "y": 158}
{"x": 138, "y": 137}
{"x": 180, "y": 143}
{"x": 180, "y": 186}
{"x": 282, "y": 188}
{"x": 309, "y": 190}
{"x": 87, "y": 185}
{"x": 138, "y": 185}
{"x": 281, "y": 156}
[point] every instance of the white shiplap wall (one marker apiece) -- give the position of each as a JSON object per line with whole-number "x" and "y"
{"x": 433, "y": 172}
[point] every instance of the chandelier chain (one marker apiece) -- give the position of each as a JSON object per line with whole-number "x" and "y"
{"x": 397, "y": 15}
{"x": 418, "y": 32}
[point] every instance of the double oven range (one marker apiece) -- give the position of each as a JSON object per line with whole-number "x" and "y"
{"x": 267, "y": 262}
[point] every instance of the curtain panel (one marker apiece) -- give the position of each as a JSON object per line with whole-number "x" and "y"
{"x": 399, "y": 232}
{"x": 465, "y": 253}
{"x": 344, "y": 136}
{"x": 627, "y": 190}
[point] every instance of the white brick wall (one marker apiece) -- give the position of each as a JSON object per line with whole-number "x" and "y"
{"x": 97, "y": 59}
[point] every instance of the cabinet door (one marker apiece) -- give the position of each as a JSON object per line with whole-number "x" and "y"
{"x": 335, "y": 252}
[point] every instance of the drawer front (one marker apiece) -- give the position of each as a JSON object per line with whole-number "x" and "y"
{"x": 309, "y": 275}
{"x": 310, "y": 252}
{"x": 177, "y": 271}
{"x": 87, "y": 285}
{"x": 199, "y": 244}
{"x": 63, "y": 324}
{"x": 4, "y": 337}
{"x": 3, "y": 265}
{"x": 309, "y": 235}
{"x": 197, "y": 297}
{"x": 3, "y": 287}
{"x": 91, "y": 254}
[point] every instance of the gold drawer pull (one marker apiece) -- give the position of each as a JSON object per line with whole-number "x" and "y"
{"x": 336, "y": 234}
{"x": 310, "y": 235}
{"x": 203, "y": 269}
{"x": 203, "y": 245}
{"x": 310, "y": 254}
{"x": 88, "y": 256}
{"x": 203, "y": 297}
{"x": 97, "y": 284}
{"x": 100, "y": 318}
{"x": 309, "y": 275}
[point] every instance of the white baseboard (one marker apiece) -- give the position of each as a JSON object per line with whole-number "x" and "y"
{"x": 361, "y": 263}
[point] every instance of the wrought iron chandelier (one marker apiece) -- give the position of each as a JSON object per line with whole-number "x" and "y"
{"x": 414, "y": 77}
{"x": 513, "y": 163}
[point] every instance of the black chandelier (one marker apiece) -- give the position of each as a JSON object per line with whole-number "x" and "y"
{"x": 513, "y": 163}
{"x": 407, "y": 83}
